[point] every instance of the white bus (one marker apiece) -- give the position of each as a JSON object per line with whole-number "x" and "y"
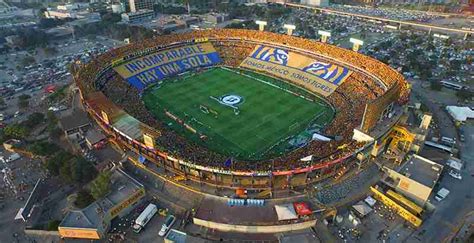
{"x": 448, "y": 141}
{"x": 144, "y": 217}
{"x": 450, "y": 85}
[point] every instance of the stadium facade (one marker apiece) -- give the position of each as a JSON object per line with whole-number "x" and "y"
{"x": 367, "y": 98}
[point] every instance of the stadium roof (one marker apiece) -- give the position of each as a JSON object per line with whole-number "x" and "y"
{"x": 91, "y": 217}
{"x": 118, "y": 118}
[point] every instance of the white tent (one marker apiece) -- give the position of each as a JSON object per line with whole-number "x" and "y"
{"x": 460, "y": 113}
{"x": 286, "y": 211}
{"x": 370, "y": 201}
{"x": 362, "y": 209}
{"x": 307, "y": 158}
{"x": 319, "y": 137}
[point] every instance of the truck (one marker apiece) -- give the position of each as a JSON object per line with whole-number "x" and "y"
{"x": 442, "y": 194}
{"x": 144, "y": 217}
{"x": 13, "y": 157}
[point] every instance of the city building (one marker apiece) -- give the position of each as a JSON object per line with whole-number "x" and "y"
{"x": 138, "y": 16}
{"x": 173, "y": 26}
{"x": 93, "y": 222}
{"x": 320, "y": 3}
{"x": 216, "y": 18}
{"x": 74, "y": 124}
{"x": 75, "y": 6}
{"x": 118, "y": 8}
{"x": 415, "y": 179}
{"x": 136, "y": 5}
{"x": 52, "y": 14}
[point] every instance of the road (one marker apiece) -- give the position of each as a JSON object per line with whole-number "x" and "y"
{"x": 450, "y": 212}
{"x": 436, "y": 102}
{"x": 386, "y": 20}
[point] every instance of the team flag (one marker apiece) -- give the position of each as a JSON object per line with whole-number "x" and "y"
{"x": 228, "y": 162}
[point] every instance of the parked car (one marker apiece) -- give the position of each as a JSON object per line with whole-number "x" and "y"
{"x": 442, "y": 194}
{"x": 169, "y": 221}
{"x": 455, "y": 174}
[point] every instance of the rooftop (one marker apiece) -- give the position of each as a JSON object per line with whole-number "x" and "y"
{"x": 93, "y": 136}
{"x": 76, "y": 120}
{"x": 122, "y": 186}
{"x": 422, "y": 170}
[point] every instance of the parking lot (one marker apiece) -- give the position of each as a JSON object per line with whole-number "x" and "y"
{"x": 45, "y": 70}
{"x": 121, "y": 228}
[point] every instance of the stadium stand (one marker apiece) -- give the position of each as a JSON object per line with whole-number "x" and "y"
{"x": 370, "y": 80}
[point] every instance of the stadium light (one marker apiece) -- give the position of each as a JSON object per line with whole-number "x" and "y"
{"x": 261, "y": 24}
{"x": 393, "y": 27}
{"x": 290, "y": 28}
{"x": 445, "y": 37}
{"x": 356, "y": 43}
{"x": 324, "y": 35}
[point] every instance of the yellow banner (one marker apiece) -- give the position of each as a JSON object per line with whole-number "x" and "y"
{"x": 404, "y": 213}
{"x": 142, "y": 64}
{"x": 124, "y": 204}
{"x": 149, "y": 140}
{"x": 316, "y": 76}
{"x": 78, "y": 233}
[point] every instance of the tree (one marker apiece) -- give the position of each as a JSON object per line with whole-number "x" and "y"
{"x": 43, "y": 148}
{"x": 111, "y": 18}
{"x": 34, "y": 119}
{"x": 464, "y": 94}
{"x": 28, "y": 60}
{"x": 83, "y": 199}
{"x": 2, "y": 102}
{"x": 49, "y": 51}
{"x": 24, "y": 97}
{"x": 82, "y": 170}
{"x": 65, "y": 171}
{"x": 435, "y": 86}
{"x": 100, "y": 186}
{"x": 53, "y": 225}
{"x": 16, "y": 131}
{"x": 54, "y": 164}
{"x": 23, "y": 104}
{"x": 23, "y": 101}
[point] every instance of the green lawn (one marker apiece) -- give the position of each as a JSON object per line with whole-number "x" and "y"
{"x": 267, "y": 116}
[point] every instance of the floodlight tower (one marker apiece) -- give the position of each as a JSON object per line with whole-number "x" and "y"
{"x": 289, "y": 28}
{"x": 393, "y": 27}
{"x": 261, "y": 24}
{"x": 356, "y": 43}
{"x": 324, "y": 35}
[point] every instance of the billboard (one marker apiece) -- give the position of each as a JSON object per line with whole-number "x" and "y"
{"x": 142, "y": 71}
{"x": 79, "y": 233}
{"x": 316, "y": 76}
{"x": 117, "y": 209}
{"x": 149, "y": 140}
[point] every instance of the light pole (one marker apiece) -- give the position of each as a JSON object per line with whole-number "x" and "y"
{"x": 324, "y": 35}
{"x": 356, "y": 43}
{"x": 261, "y": 24}
{"x": 289, "y": 28}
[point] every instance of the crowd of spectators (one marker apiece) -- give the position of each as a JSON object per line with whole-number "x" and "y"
{"x": 233, "y": 47}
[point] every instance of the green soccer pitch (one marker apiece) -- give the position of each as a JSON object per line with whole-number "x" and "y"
{"x": 245, "y": 115}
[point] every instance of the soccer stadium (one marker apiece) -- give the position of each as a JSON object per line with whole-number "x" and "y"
{"x": 242, "y": 108}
